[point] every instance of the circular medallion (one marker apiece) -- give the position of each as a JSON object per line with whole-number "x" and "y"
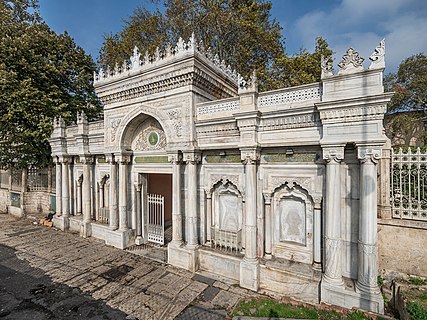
{"x": 153, "y": 138}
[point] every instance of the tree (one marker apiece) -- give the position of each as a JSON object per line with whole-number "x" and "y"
{"x": 407, "y": 109}
{"x": 42, "y": 75}
{"x": 301, "y": 68}
{"x": 409, "y": 85}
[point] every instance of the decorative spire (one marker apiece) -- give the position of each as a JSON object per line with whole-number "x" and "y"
{"x": 351, "y": 62}
{"x": 134, "y": 59}
{"x": 378, "y": 56}
{"x": 248, "y": 86}
{"x": 327, "y": 69}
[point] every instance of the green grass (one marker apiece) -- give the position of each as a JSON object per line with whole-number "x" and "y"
{"x": 416, "y": 311}
{"x": 272, "y": 308}
{"x": 417, "y": 281}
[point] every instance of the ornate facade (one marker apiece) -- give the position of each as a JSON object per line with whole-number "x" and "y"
{"x": 276, "y": 190}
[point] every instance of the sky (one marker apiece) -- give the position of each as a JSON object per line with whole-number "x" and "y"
{"x": 360, "y": 24}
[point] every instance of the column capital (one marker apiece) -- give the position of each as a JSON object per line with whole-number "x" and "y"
{"x": 317, "y": 202}
{"x": 138, "y": 187}
{"x": 64, "y": 159}
{"x": 267, "y": 198}
{"x": 109, "y": 158}
{"x": 333, "y": 154}
{"x": 122, "y": 158}
{"x": 175, "y": 158}
{"x": 368, "y": 153}
{"x": 86, "y": 159}
{"x": 192, "y": 157}
{"x": 250, "y": 155}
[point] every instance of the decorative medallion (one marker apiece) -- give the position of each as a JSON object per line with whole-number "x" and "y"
{"x": 153, "y": 138}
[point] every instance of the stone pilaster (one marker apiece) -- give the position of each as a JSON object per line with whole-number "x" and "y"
{"x": 114, "y": 215}
{"x": 79, "y": 195}
{"x": 58, "y": 186}
{"x": 124, "y": 161}
{"x": 268, "y": 225}
{"x": 249, "y": 267}
{"x": 368, "y": 242}
{"x": 176, "y": 159}
{"x": 192, "y": 159}
{"x": 86, "y": 196}
{"x": 138, "y": 239}
{"x": 333, "y": 242}
{"x": 317, "y": 233}
{"x": 65, "y": 187}
{"x": 209, "y": 217}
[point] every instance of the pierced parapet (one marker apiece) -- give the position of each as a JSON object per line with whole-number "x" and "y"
{"x": 327, "y": 69}
{"x": 251, "y": 85}
{"x": 378, "y": 56}
{"x": 138, "y": 61}
{"x": 351, "y": 62}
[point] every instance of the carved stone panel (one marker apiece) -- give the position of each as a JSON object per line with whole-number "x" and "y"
{"x": 292, "y": 220}
{"x": 150, "y": 136}
{"x": 230, "y": 212}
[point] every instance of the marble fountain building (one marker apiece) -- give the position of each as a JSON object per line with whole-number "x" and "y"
{"x": 276, "y": 190}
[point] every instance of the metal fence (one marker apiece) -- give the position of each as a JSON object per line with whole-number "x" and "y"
{"x": 409, "y": 184}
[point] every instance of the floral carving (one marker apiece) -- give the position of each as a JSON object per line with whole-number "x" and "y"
{"x": 351, "y": 62}
{"x": 114, "y": 124}
{"x": 175, "y": 116}
{"x": 150, "y": 137}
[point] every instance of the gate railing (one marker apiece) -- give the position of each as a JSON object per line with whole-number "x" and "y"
{"x": 104, "y": 215}
{"x": 409, "y": 184}
{"x": 227, "y": 240}
{"x": 156, "y": 218}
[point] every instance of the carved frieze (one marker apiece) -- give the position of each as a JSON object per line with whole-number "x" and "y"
{"x": 370, "y": 112}
{"x": 289, "y": 122}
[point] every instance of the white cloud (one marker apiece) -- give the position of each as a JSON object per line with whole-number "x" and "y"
{"x": 362, "y": 24}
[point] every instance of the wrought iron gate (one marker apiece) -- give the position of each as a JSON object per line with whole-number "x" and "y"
{"x": 156, "y": 218}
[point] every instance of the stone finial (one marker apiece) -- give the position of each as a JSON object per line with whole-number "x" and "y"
{"x": 116, "y": 69}
{"x": 351, "y": 62}
{"x": 180, "y": 46}
{"x": 81, "y": 117}
{"x": 251, "y": 85}
{"x": 326, "y": 66}
{"x": 58, "y": 122}
{"x": 134, "y": 59}
{"x": 378, "y": 56}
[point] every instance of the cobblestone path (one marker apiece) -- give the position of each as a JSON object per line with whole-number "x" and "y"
{"x": 46, "y": 267}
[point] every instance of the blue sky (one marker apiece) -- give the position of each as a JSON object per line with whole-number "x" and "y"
{"x": 360, "y": 24}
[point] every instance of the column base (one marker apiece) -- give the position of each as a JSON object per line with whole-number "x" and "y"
{"x": 249, "y": 274}
{"x": 183, "y": 256}
{"x": 139, "y": 240}
{"x": 85, "y": 229}
{"x": 349, "y": 297}
{"x": 317, "y": 266}
{"x": 118, "y": 238}
{"x": 61, "y": 222}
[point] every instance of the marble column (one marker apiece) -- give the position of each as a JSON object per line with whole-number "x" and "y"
{"x": 86, "y": 195}
{"x": 317, "y": 233}
{"x": 268, "y": 225}
{"x": 175, "y": 159}
{"x": 191, "y": 175}
{"x": 65, "y": 188}
{"x": 123, "y": 187}
{"x": 138, "y": 239}
{"x": 208, "y": 217}
{"x": 58, "y": 187}
{"x": 79, "y": 195}
{"x": 368, "y": 242}
{"x": 333, "y": 241}
{"x": 251, "y": 212}
{"x": 114, "y": 215}
{"x": 101, "y": 193}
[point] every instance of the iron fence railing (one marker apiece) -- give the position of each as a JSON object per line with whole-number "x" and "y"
{"x": 409, "y": 184}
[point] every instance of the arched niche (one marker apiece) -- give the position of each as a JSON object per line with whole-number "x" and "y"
{"x": 226, "y": 217}
{"x": 130, "y": 124}
{"x": 292, "y": 209}
{"x": 148, "y": 136}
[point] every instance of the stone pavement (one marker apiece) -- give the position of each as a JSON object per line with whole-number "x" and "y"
{"x": 138, "y": 287}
